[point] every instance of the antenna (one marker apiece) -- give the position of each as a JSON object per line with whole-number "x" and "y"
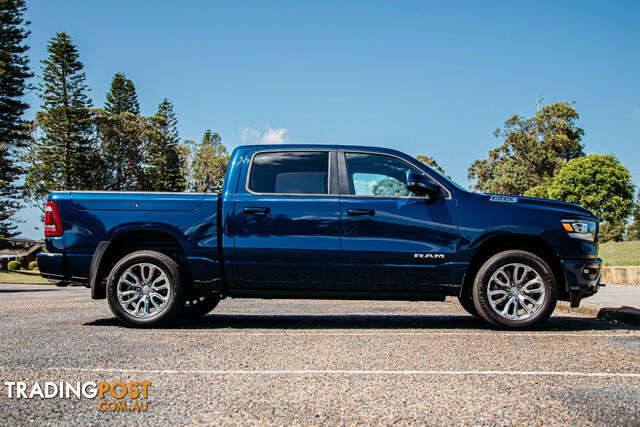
{"x": 539, "y": 102}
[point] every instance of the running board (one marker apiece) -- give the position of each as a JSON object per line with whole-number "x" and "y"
{"x": 336, "y": 295}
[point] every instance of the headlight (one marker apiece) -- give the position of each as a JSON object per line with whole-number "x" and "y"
{"x": 580, "y": 229}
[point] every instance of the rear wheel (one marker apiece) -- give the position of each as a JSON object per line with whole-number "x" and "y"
{"x": 514, "y": 289}
{"x": 144, "y": 289}
{"x": 199, "y": 306}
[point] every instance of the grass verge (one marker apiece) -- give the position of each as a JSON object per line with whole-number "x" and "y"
{"x": 620, "y": 253}
{"x": 21, "y": 277}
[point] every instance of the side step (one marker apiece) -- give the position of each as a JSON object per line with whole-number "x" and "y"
{"x": 336, "y": 295}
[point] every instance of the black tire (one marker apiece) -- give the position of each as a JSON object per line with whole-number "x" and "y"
{"x": 174, "y": 297}
{"x": 544, "y": 290}
{"x": 199, "y": 306}
{"x": 466, "y": 301}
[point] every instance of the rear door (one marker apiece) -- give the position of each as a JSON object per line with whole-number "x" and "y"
{"x": 392, "y": 239}
{"x": 286, "y": 222}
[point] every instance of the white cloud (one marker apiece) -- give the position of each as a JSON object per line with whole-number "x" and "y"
{"x": 275, "y": 136}
{"x": 249, "y": 134}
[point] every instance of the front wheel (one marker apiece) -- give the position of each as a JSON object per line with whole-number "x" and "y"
{"x": 515, "y": 289}
{"x": 144, "y": 289}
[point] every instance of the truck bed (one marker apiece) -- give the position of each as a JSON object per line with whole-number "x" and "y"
{"x": 91, "y": 220}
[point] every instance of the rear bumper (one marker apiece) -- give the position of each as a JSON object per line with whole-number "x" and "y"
{"x": 52, "y": 266}
{"x": 57, "y": 266}
{"x": 582, "y": 278}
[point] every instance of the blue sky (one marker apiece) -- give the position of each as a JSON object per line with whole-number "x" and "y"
{"x": 432, "y": 78}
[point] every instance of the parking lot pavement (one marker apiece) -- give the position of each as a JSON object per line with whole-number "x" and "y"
{"x": 314, "y": 362}
{"x": 617, "y": 296}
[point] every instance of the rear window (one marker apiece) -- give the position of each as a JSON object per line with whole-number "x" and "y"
{"x": 290, "y": 172}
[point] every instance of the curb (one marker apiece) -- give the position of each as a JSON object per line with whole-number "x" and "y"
{"x": 621, "y": 314}
{"x": 585, "y": 308}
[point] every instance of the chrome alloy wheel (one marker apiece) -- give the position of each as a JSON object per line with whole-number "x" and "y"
{"x": 516, "y": 291}
{"x": 143, "y": 290}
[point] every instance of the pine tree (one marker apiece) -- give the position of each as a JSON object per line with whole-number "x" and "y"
{"x": 209, "y": 164}
{"x": 122, "y": 97}
{"x": 633, "y": 230}
{"x": 14, "y": 132}
{"x": 64, "y": 155}
{"x": 164, "y": 165}
{"x": 121, "y": 131}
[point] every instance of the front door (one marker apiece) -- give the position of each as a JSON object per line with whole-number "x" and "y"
{"x": 286, "y": 221}
{"x": 392, "y": 239}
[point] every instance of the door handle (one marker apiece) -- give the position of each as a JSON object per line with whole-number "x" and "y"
{"x": 361, "y": 212}
{"x": 257, "y": 211}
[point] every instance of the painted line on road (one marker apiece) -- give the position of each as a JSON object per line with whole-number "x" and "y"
{"x": 355, "y": 334}
{"x": 347, "y": 372}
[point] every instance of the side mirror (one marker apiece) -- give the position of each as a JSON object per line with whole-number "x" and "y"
{"x": 420, "y": 185}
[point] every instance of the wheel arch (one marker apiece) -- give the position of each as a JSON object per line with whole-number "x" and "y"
{"x": 108, "y": 252}
{"x": 525, "y": 242}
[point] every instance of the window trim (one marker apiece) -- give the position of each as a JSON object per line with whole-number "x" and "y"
{"x": 343, "y": 159}
{"x": 327, "y": 194}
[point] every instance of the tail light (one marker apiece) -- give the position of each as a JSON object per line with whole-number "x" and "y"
{"x": 52, "y": 221}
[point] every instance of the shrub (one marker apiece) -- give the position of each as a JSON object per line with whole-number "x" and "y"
{"x": 599, "y": 183}
{"x": 13, "y": 265}
{"x": 611, "y": 231}
{"x": 33, "y": 265}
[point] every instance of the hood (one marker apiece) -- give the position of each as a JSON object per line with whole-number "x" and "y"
{"x": 535, "y": 202}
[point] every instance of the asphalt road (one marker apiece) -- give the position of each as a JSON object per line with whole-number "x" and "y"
{"x": 317, "y": 362}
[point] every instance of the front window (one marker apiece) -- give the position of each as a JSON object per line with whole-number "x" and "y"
{"x": 290, "y": 172}
{"x": 378, "y": 175}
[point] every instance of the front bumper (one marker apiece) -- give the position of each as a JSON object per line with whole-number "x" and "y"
{"x": 582, "y": 278}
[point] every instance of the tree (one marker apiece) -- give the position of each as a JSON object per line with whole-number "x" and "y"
{"x": 64, "y": 154}
{"x": 164, "y": 164}
{"x": 14, "y": 132}
{"x": 541, "y": 191}
{"x": 390, "y": 187}
{"x": 122, "y": 140}
{"x": 430, "y": 161}
{"x": 633, "y": 231}
{"x": 532, "y": 153}
{"x": 611, "y": 231}
{"x": 597, "y": 182}
{"x": 122, "y": 97}
{"x": 209, "y": 164}
{"x": 121, "y": 131}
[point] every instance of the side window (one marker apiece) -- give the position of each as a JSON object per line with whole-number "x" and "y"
{"x": 378, "y": 175}
{"x": 290, "y": 172}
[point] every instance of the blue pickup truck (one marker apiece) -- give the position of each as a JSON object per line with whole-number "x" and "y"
{"x": 325, "y": 222}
